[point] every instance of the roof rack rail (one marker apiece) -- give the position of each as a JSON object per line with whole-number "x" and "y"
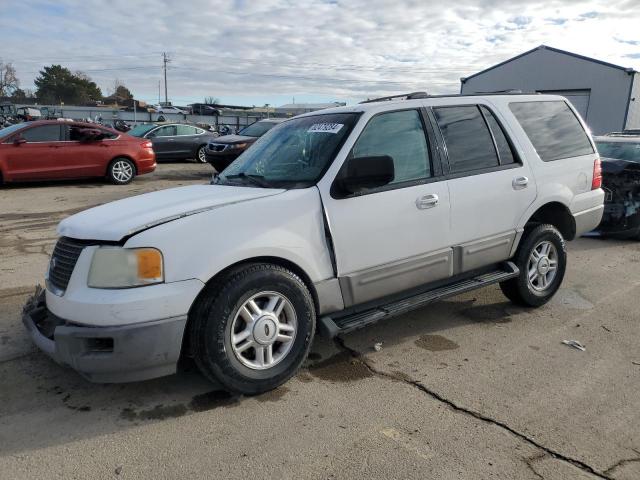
{"x": 416, "y": 95}
{"x": 402, "y": 96}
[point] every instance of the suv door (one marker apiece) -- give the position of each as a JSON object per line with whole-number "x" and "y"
{"x": 40, "y": 157}
{"x": 490, "y": 185}
{"x": 396, "y": 237}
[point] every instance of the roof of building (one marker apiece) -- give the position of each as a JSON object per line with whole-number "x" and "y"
{"x": 556, "y": 50}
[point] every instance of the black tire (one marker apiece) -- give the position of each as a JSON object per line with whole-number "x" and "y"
{"x": 117, "y": 168}
{"x": 519, "y": 289}
{"x": 214, "y": 314}
{"x": 200, "y": 154}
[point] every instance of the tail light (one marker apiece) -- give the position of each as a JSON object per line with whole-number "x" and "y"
{"x": 147, "y": 144}
{"x": 597, "y": 175}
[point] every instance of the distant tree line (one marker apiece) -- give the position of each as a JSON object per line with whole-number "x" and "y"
{"x": 57, "y": 84}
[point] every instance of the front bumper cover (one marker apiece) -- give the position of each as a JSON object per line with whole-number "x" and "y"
{"x": 112, "y": 354}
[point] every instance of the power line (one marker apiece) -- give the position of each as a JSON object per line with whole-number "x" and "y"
{"x": 301, "y": 77}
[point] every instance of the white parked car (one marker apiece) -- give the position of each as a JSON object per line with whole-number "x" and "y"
{"x": 169, "y": 109}
{"x": 331, "y": 221}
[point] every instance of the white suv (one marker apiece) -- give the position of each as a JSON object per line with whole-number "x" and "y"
{"x": 334, "y": 219}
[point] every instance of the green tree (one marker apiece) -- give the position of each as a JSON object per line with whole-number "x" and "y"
{"x": 56, "y": 84}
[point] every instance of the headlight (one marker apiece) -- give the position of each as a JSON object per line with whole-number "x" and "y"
{"x": 115, "y": 267}
{"x": 237, "y": 145}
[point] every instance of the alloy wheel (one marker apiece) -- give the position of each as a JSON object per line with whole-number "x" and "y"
{"x": 202, "y": 155}
{"x": 263, "y": 330}
{"x": 542, "y": 266}
{"x": 122, "y": 171}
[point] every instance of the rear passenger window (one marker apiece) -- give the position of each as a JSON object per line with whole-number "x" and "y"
{"x": 505, "y": 153}
{"x": 553, "y": 129}
{"x": 185, "y": 130}
{"x": 401, "y": 136}
{"x": 469, "y": 143}
{"x": 43, "y": 133}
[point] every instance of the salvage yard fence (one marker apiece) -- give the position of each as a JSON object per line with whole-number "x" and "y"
{"x": 234, "y": 120}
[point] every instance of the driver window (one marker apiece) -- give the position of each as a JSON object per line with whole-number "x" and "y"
{"x": 401, "y": 136}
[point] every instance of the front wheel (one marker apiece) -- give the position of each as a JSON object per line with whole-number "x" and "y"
{"x": 121, "y": 171}
{"x": 252, "y": 329}
{"x": 542, "y": 260}
{"x": 201, "y": 155}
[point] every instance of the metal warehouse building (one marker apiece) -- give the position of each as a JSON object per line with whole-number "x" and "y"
{"x": 606, "y": 95}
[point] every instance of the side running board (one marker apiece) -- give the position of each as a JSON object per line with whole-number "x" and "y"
{"x": 331, "y": 326}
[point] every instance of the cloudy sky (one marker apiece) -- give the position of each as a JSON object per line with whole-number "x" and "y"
{"x": 269, "y": 51}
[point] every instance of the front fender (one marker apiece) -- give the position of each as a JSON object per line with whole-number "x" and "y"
{"x": 288, "y": 226}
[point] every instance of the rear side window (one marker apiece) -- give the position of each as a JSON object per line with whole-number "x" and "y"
{"x": 553, "y": 129}
{"x": 186, "y": 130}
{"x": 469, "y": 143}
{"x": 44, "y": 133}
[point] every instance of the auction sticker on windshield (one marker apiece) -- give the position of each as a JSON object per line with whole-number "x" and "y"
{"x": 325, "y": 127}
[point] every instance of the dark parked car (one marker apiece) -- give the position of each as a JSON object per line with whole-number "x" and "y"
{"x": 223, "y": 150}
{"x": 621, "y": 183}
{"x": 175, "y": 141}
{"x": 50, "y": 149}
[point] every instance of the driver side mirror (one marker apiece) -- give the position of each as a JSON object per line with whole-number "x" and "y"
{"x": 19, "y": 141}
{"x": 365, "y": 173}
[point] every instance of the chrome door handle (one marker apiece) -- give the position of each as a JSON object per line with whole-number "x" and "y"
{"x": 519, "y": 183}
{"x": 427, "y": 201}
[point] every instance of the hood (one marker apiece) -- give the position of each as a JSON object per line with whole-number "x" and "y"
{"x": 116, "y": 220}
{"x": 233, "y": 139}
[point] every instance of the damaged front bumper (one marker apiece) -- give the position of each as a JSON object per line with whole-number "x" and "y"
{"x": 110, "y": 354}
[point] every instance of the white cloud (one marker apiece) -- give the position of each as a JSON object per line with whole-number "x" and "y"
{"x": 308, "y": 48}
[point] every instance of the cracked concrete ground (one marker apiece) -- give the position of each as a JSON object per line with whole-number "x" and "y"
{"x": 469, "y": 388}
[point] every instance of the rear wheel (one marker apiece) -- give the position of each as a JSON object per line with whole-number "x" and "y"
{"x": 121, "y": 171}
{"x": 252, "y": 329}
{"x": 201, "y": 154}
{"x": 542, "y": 260}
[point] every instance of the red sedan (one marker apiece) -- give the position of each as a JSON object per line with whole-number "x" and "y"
{"x": 51, "y": 150}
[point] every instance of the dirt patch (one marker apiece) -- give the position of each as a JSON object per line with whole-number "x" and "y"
{"x": 274, "y": 395}
{"x": 199, "y": 403}
{"x": 159, "y": 412}
{"x": 435, "y": 343}
{"x": 340, "y": 368}
{"x": 211, "y": 400}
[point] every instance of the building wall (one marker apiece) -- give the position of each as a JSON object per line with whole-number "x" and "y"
{"x": 547, "y": 70}
{"x": 633, "y": 116}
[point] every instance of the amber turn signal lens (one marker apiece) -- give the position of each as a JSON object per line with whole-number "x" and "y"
{"x": 149, "y": 264}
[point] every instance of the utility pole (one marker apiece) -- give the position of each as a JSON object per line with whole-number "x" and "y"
{"x": 165, "y": 60}
{"x": 159, "y": 82}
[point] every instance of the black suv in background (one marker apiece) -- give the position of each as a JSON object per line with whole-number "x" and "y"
{"x": 223, "y": 150}
{"x": 621, "y": 183}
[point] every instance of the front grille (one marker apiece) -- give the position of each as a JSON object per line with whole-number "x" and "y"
{"x": 63, "y": 260}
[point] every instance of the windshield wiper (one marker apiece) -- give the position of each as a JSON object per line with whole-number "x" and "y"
{"x": 258, "y": 180}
